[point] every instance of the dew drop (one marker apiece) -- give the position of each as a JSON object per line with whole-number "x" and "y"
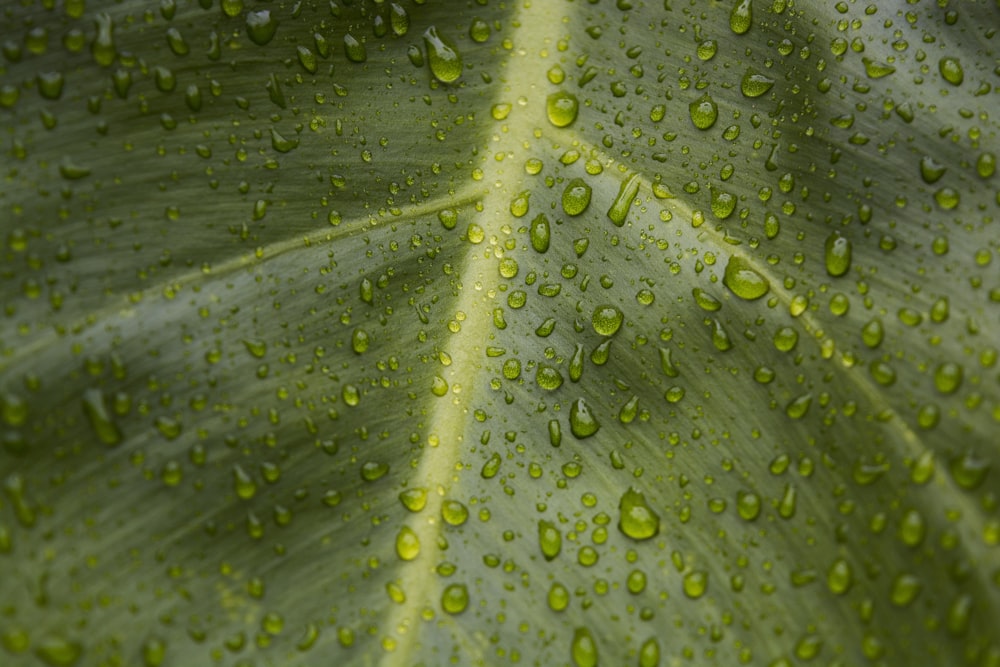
{"x": 562, "y": 107}
{"x": 704, "y": 112}
{"x": 583, "y": 649}
{"x": 354, "y": 49}
{"x": 623, "y": 202}
{"x": 951, "y": 70}
{"x": 607, "y": 319}
{"x": 101, "y": 422}
{"x": 839, "y": 577}
{"x": 637, "y": 519}
{"x": 741, "y": 17}
{"x": 540, "y": 233}
{"x": 550, "y": 539}
{"x": 743, "y": 281}
{"x": 407, "y": 544}
{"x": 576, "y": 197}
{"x": 444, "y": 60}
{"x": 755, "y": 84}
{"x": 582, "y": 421}
{"x": 455, "y": 598}
{"x": 695, "y": 584}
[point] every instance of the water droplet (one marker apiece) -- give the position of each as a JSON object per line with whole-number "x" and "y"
{"x": 555, "y": 433}
{"x": 667, "y": 363}
{"x": 723, "y": 203}
{"x": 444, "y": 60}
{"x": 558, "y": 597}
{"x": 755, "y": 84}
{"x": 637, "y": 520}
{"x": 912, "y": 528}
{"x": 969, "y": 470}
{"x": 576, "y": 363}
{"x": 951, "y": 70}
{"x": 360, "y": 341}
{"x": 176, "y": 42}
{"x": 540, "y": 233}
{"x": 454, "y": 513}
{"x": 562, "y": 108}
{"x": 582, "y": 422}
{"x": 583, "y": 649}
{"x": 748, "y": 505}
{"x": 931, "y": 170}
{"x": 707, "y": 49}
{"x": 414, "y": 499}
{"x": 741, "y": 17}
{"x": 607, "y": 319}
{"x": 372, "y": 471}
{"x": 837, "y": 254}
{"x": 260, "y": 26}
{"x": 704, "y": 112}
{"x": 58, "y": 652}
{"x": 354, "y": 49}
{"x": 550, "y": 539}
{"x": 101, "y": 422}
{"x": 743, "y": 281}
{"x": 479, "y": 30}
{"x": 576, "y": 197}
{"x": 986, "y": 165}
{"x": 399, "y": 19}
{"x": 838, "y": 577}
{"x": 103, "y": 47}
{"x": 905, "y": 589}
{"x": 455, "y": 598}
{"x": 695, "y": 584}
{"x": 876, "y": 70}
{"x": 872, "y": 333}
{"x": 948, "y": 377}
{"x": 407, "y": 544}
{"x": 548, "y": 377}
{"x": 649, "y": 653}
{"x": 491, "y": 467}
{"x": 623, "y": 202}
{"x": 629, "y": 411}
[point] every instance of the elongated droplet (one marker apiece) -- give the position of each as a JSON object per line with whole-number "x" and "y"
{"x": 550, "y": 539}
{"x": 583, "y": 649}
{"x": 838, "y": 254}
{"x": 444, "y": 59}
{"x": 623, "y": 202}
{"x": 704, "y": 112}
{"x": 755, "y": 84}
{"x": 97, "y": 413}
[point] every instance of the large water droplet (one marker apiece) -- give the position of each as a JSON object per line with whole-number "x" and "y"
{"x": 550, "y": 539}
{"x": 623, "y": 202}
{"x": 637, "y": 520}
{"x": 576, "y": 197}
{"x": 607, "y": 319}
{"x": 582, "y": 421}
{"x": 704, "y": 112}
{"x": 562, "y": 108}
{"x": 444, "y": 59}
{"x": 584, "y": 648}
{"x": 743, "y": 280}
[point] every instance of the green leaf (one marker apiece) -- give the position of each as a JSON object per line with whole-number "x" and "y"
{"x": 552, "y": 332}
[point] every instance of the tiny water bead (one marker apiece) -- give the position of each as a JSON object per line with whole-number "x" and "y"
{"x": 562, "y": 108}
{"x": 704, "y": 112}
{"x": 445, "y": 61}
{"x": 582, "y": 421}
{"x": 607, "y": 319}
{"x": 743, "y": 280}
{"x": 637, "y": 519}
{"x": 576, "y": 197}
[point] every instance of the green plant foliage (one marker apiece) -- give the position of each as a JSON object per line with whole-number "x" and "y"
{"x": 547, "y": 332}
